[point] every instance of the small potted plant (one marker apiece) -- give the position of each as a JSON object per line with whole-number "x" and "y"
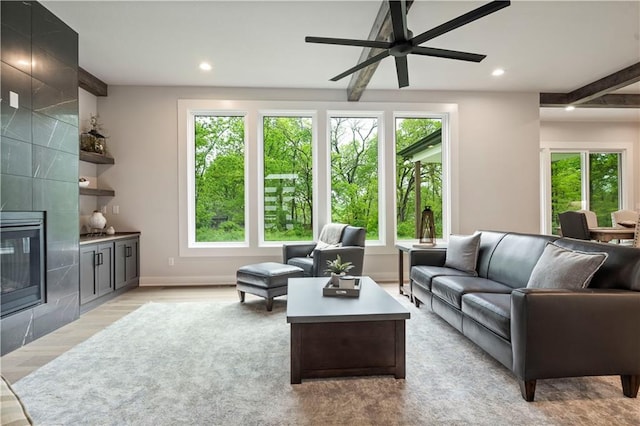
{"x": 337, "y": 268}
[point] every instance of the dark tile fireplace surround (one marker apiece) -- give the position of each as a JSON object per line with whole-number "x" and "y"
{"x": 39, "y": 159}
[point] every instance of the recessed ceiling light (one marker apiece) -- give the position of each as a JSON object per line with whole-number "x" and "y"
{"x": 570, "y": 108}
{"x": 204, "y": 66}
{"x": 497, "y": 72}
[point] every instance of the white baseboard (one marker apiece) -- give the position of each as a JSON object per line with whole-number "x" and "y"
{"x": 187, "y": 280}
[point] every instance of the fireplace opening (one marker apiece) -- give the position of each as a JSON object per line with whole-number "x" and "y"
{"x": 22, "y": 261}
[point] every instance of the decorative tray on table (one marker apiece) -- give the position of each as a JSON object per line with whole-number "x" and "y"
{"x": 335, "y": 291}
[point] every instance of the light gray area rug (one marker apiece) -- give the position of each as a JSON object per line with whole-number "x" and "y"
{"x": 228, "y": 364}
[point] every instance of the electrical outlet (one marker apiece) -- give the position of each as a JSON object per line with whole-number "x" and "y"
{"x": 115, "y": 209}
{"x": 14, "y": 100}
{"x": 171, "y": 261}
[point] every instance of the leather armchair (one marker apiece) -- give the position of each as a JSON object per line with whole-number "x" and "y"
{"x": 314, "y": 261}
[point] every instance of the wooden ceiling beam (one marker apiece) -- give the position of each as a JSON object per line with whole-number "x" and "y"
{"x": 91, "y": 83}
{"x": 381, "y": 30}
{"x": 598, "y": 94}
{"x": 614, "y": 100}
{"x": 605, "y": 85}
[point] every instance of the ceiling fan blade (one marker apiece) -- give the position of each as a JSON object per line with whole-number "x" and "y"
{"x": 449, "y": 54}
{"x": 349, "y": 42}
{"x": 461, "y": 20}
{"x": 398, "y": 10}
{"x": 361, "y": 65}
{"x": 403, "y": 71}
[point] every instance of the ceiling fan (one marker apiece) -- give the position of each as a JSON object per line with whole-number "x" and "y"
{"x": 404, "y": 43}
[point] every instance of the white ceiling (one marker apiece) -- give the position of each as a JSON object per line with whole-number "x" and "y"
{"x": 544, "y": 46}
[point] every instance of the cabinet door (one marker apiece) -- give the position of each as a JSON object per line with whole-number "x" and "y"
{"x": 88, "y": 290}
{"x": 104, "y": 267}
{"x": 132, "y": 259}
{"x": 126, "y": 264}
{"x": 120, "y": 263}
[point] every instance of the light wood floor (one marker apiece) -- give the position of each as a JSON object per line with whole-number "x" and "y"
{"x": 19, "y": 363}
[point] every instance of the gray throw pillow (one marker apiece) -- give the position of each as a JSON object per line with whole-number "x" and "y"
{"x": 462, "y": 253}
{"x": 559, "y": 267}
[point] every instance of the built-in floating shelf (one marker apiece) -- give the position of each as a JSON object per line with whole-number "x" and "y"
{"x": 92, "y": 157}
{"x": 98, "y": 192}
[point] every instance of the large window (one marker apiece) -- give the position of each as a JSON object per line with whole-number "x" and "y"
{"x": 354, "y": 172}
{"x": 418, "y": 165}
{"x": 219, "y": 178}
{"x": 288, "y": 180}
{"x": 585, "y": 180}
{"x": 256, "y": 173}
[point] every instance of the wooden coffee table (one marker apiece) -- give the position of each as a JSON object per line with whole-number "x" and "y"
{"x": 341, "y": 336}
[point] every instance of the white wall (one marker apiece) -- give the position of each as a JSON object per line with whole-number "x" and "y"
{"x": 495, "y": 172}
{"x": 600, "y": 133}
{"x": 87, "y": 106}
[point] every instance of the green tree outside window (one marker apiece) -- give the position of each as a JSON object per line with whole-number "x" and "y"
{"x": 219, "y": 179}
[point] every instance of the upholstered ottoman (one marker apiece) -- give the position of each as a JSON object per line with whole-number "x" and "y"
{"x": 268, "y": 280}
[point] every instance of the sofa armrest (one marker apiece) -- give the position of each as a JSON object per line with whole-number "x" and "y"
{"x": 568, "y": 333}
{"x": 296, "y": 250}
{"x": 351, "y": 254}
{"x": 431, "y": 257}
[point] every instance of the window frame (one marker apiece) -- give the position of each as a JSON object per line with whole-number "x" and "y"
{"x": 626, "y": 190}
{"x": 447, "y": 183}
{"x": 189, "y": 175}
{"x": 252, "y": 110}
{"x": 380, "y": 117}
{"x": 314, "y": 143}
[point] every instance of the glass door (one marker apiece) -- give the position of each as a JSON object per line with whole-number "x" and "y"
{"x": 584, "y": 180}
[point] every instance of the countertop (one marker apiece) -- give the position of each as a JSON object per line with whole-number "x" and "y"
{"x": 101, "y": 238}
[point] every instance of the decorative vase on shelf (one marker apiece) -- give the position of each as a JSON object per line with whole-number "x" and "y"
{"x": 97, "y": 220}
{"x": 93, "y": 141}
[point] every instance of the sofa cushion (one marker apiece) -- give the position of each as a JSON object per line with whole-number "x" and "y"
{"x": 306, "y": 263}
{"x": 514, "y": 258}
{"x": 492, "y": 310}
{"x": 488, "y": 242}
{"x": 424, "y": 274}
{"x": 559, "y": 267}
{"x": 353, "y": 236}
{"x": 452, "y": 288}
{"x": 462, "y": 253}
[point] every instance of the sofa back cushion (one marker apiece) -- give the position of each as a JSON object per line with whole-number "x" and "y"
{"x": 514, "y": 258}
{"x": 621, "y": 270}
{"x": 353, "y": 236}
{"x": 488, "y": 242}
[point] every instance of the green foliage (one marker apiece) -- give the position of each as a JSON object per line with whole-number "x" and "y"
{"x": 288, "y": 178}
{"x": 354, "y": 172}
{"x": 219, "y": 178}
{"x": 337, "y": 266}
{"x": 288, "y": 162}
{"x": 566, "y": 185}
{"x": 604, "y": 185}
{"x": 408, "y": 132}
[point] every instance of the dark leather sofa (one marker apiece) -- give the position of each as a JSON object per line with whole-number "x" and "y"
{"x": 539, "y": 333}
